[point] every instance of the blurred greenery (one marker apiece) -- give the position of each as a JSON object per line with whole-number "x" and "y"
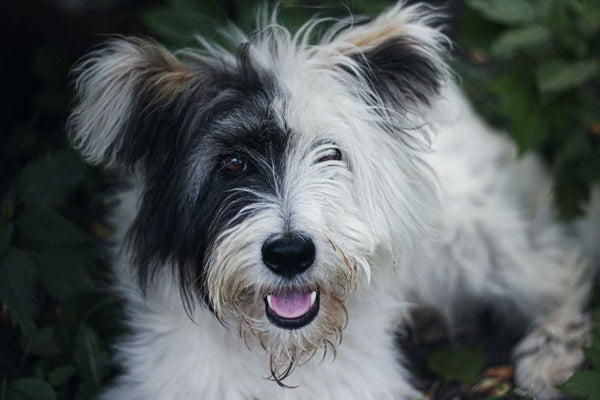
{"x": 531, "y": 68}
{"x": 462, "y": 364}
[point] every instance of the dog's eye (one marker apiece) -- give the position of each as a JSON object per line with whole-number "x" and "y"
{"x": 334, "y": 155}
{"x": 234, "y": 164}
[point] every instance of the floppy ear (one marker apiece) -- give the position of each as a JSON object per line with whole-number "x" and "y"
{"x": 125, "y": 92}
{"x": 400, "y": 54}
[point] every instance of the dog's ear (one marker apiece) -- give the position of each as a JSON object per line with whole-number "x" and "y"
{"x": 399, "y": 54}
{"x": 124, "y": 91}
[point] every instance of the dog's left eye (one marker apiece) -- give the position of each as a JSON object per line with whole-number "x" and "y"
{"x": 334, "y": 155}
{"x": 235, "y": 164}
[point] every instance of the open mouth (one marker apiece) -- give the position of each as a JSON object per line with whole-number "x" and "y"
{"x": 292, "y": 308}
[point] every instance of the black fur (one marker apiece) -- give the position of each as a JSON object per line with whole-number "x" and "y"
{"x": 400, "y": 72}
{"x": 188, "y": 198}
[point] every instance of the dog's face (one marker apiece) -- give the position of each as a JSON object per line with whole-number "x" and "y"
{"x": 272, "y": 176}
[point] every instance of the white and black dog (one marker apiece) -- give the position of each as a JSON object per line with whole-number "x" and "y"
{"x": 291, "y": 194}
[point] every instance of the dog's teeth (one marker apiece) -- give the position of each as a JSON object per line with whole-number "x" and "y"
{"x": 313, "y": 297}
{"x": 269, "y": 301}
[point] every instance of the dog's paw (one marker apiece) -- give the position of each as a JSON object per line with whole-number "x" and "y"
{"x": 550, "y": 354}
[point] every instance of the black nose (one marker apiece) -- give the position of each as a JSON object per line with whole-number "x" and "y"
{"x": 288, "y": 255}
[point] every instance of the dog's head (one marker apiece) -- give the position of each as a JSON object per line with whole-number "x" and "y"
{"x": 271, "y": 176}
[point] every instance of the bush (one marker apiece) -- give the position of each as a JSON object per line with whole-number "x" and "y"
{"x": 533, "y": 68}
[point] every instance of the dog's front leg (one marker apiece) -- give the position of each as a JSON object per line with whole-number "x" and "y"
{"x": 535, "y": 279}
{"x": 546, "y": 282}
{"x": 551, "y": 351}
{"x": 549, "y": 284}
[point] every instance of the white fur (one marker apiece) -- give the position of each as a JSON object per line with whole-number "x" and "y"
{"x": 460, "y": 219}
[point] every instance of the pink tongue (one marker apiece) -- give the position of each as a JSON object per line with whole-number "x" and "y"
{"x": 290, "y": 304}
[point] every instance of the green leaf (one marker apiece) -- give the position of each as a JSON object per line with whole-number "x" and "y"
{"x": 89, "y": 357}
{"x": 178, "y": 27}
{"x": 81, "y": 308}
{"x": 205, "y": 8}
{"x": 508, "y": 12}
{"x": 6, "y": 231}
{"x": 39, "y": 369}
{"x": 457, "y": 364}
{"x": 17, "y": 281}
{"x": 592, "y": 354}
{"x": 559, "y": 75}
{"x": 61, "y": 375}
{"x": 30, "y": 389}
{"x": 63, "y": 269}
{"x": 43, "y": 342}
{"x": 368, "y": 7}
{"x": 6, "y": 210}
{"x": 589, "y": 22}
{"x": 294, "y": 17}
{"x": 529, "y": 130}
{"x": 590, "y": 165}
{"x": 596, "y": 319}
{"x": 585, "y": 384}
{"x": 50, "y": 64}
{"x": 475, "y": 32}
{"x": 46, "y": 225}
{"x": 518, "y": 103}
{"x": 49, "y": 180}
{"x": 515, "y": 93}
{"x": 561, "y": 17}
{"x": 570, "y": 189}
{"x": 529, "y": 38}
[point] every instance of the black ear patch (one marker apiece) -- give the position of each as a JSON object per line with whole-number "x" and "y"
{"x": 401, "y": 70}
{"x": 124, "y": 90}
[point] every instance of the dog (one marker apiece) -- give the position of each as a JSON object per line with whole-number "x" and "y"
{"x": 289, "y": 203}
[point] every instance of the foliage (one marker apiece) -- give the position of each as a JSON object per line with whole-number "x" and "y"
{"x": 457, "y": 364}
{"x": 44, "y": 269}
{"x": 56, "y": 349}
{"x": 179, "y": 21}
{"x": 465, "y": 366}
{"x": 534, "y": 69}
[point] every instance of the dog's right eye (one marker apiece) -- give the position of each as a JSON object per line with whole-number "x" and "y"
{"x": 234, "y": 164}
{"x": 334, "y": 155}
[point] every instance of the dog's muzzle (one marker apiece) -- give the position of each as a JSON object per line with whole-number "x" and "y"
{"x": 290, "y": 255}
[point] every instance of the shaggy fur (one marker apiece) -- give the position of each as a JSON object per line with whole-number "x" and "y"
{"x": 360, "y": 143}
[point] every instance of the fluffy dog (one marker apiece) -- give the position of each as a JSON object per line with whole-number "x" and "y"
{"x": 291, "y": 194}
